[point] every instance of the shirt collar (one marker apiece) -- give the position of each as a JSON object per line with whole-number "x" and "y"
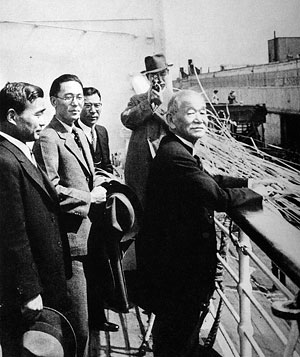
{"x": 26, "y": 150}
{"x": 67, "y": 127}
{"x": 187, "y": 143}
{"x": 85, "y": 128}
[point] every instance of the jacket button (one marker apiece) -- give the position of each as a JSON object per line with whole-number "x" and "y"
{"x": 59, "y": 243}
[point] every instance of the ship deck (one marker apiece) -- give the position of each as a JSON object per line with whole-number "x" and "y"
{"x": 127, "y": 341}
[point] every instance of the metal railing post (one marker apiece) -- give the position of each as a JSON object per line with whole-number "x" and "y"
{"x": 245, "y": 325}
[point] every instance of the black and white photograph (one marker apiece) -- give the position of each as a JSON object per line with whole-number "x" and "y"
{"x": 149, "y": 178}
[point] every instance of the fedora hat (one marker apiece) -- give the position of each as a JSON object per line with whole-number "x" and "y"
{"x": 123, "y": 208}
{"x": 156, "y": 63}
{"x": 50, "y": 336}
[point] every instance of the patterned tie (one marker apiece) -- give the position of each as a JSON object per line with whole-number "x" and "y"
{"x": 199, "y": 163}
{"x": 77, "y": 138}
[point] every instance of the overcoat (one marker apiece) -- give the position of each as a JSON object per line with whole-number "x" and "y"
{"x": 176, "y": 250}
{"x": 31, "y": 245}
{"x": 147, "y": 129}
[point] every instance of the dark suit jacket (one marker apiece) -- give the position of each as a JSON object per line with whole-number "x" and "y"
{"x": 176, "y": 250}
{"x": 101, "y": 156}
{"x": 72, "y": 173}
{"x": 31, "y": 249}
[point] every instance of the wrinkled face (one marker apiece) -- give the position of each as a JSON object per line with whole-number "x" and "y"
{"x": 190, "y": 121}
{"x": 30, "y": 122}
{"x": 91, "y": 110}
{"x": 69, "y": 102}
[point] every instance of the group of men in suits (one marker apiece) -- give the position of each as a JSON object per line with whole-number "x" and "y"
{"x": 51, "y": 203}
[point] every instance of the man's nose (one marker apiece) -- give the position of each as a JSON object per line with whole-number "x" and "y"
{"x": 200, "y": 116}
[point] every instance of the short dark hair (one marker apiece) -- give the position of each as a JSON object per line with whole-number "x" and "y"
{"x": 90, "y": 91}
{"x": 55, "y": 87}
{"x": 15, "y": 95}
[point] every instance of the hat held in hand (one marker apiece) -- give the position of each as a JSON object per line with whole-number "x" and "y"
{"x": 50, "y": 336}
{"x": 123, "y": 209}
{"x": 156, "y": 63}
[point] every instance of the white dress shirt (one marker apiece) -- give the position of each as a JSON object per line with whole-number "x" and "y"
{"x": 26, "y": 150}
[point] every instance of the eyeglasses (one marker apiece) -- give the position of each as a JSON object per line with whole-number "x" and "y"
{"x": 88, "y": 106}
{"x": 69, "y": 98}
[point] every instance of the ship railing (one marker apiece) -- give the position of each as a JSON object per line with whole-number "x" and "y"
{"x": 280, "y": 242}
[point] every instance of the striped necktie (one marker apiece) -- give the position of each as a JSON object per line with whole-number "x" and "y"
{"x": 77, "y": 138}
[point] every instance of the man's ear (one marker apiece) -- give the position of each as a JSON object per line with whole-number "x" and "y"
{"x": 170, "y": 120}
{"x": 53, "y": 101}
{"x": 12, "y": 116}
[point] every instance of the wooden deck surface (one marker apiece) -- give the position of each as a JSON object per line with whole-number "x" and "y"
{"x": 125, "y": 342}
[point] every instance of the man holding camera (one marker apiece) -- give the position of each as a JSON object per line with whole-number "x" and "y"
{"x": 145, "y": 116}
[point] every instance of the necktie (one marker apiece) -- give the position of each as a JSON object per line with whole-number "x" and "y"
{"x": 199, "y": 163}
{"x": 33, "y": 158}
{"x": 77, "y": 138}
{"x": 94, "y": 139}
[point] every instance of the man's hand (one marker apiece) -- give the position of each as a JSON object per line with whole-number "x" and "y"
{"x": 32, "y": 308}
{"x": 264, "y": 187}
{"x": 156, "y": 97}
{"x": 98, "y": 195}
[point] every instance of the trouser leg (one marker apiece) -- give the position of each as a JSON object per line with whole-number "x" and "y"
{"x": 172, "y": 331}
{"x": 78, "y": 314}
{"x": 11, "y": 330}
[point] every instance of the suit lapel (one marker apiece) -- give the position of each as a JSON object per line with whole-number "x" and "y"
{"x": 173, "y": 137}
{"x": 29, "y": 168}
{"x": 86, "y": 151}
{"x": 100, "y": 139}
{"x": 71, "y": 145}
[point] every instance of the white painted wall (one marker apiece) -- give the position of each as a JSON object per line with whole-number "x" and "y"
{"x": 103, "y": 42}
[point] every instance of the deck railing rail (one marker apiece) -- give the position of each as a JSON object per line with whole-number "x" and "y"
{"x": 280, "y": 242}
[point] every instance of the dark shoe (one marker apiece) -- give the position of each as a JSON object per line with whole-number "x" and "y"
{"x": 108, "y": 326}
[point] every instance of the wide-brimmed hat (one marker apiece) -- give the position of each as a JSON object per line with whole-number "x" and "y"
{"x": 156, "y": 63}
{"x": 50, "y": 336}
{"x": 123, "y": 208}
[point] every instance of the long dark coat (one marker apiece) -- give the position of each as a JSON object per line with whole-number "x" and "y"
{"x": 31, "y": 249}
{"x": 147, "y": 128}
{"x": 176, "y": 250}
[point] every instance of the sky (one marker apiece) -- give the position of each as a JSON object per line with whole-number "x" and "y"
{"x": 228, "y": 32}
